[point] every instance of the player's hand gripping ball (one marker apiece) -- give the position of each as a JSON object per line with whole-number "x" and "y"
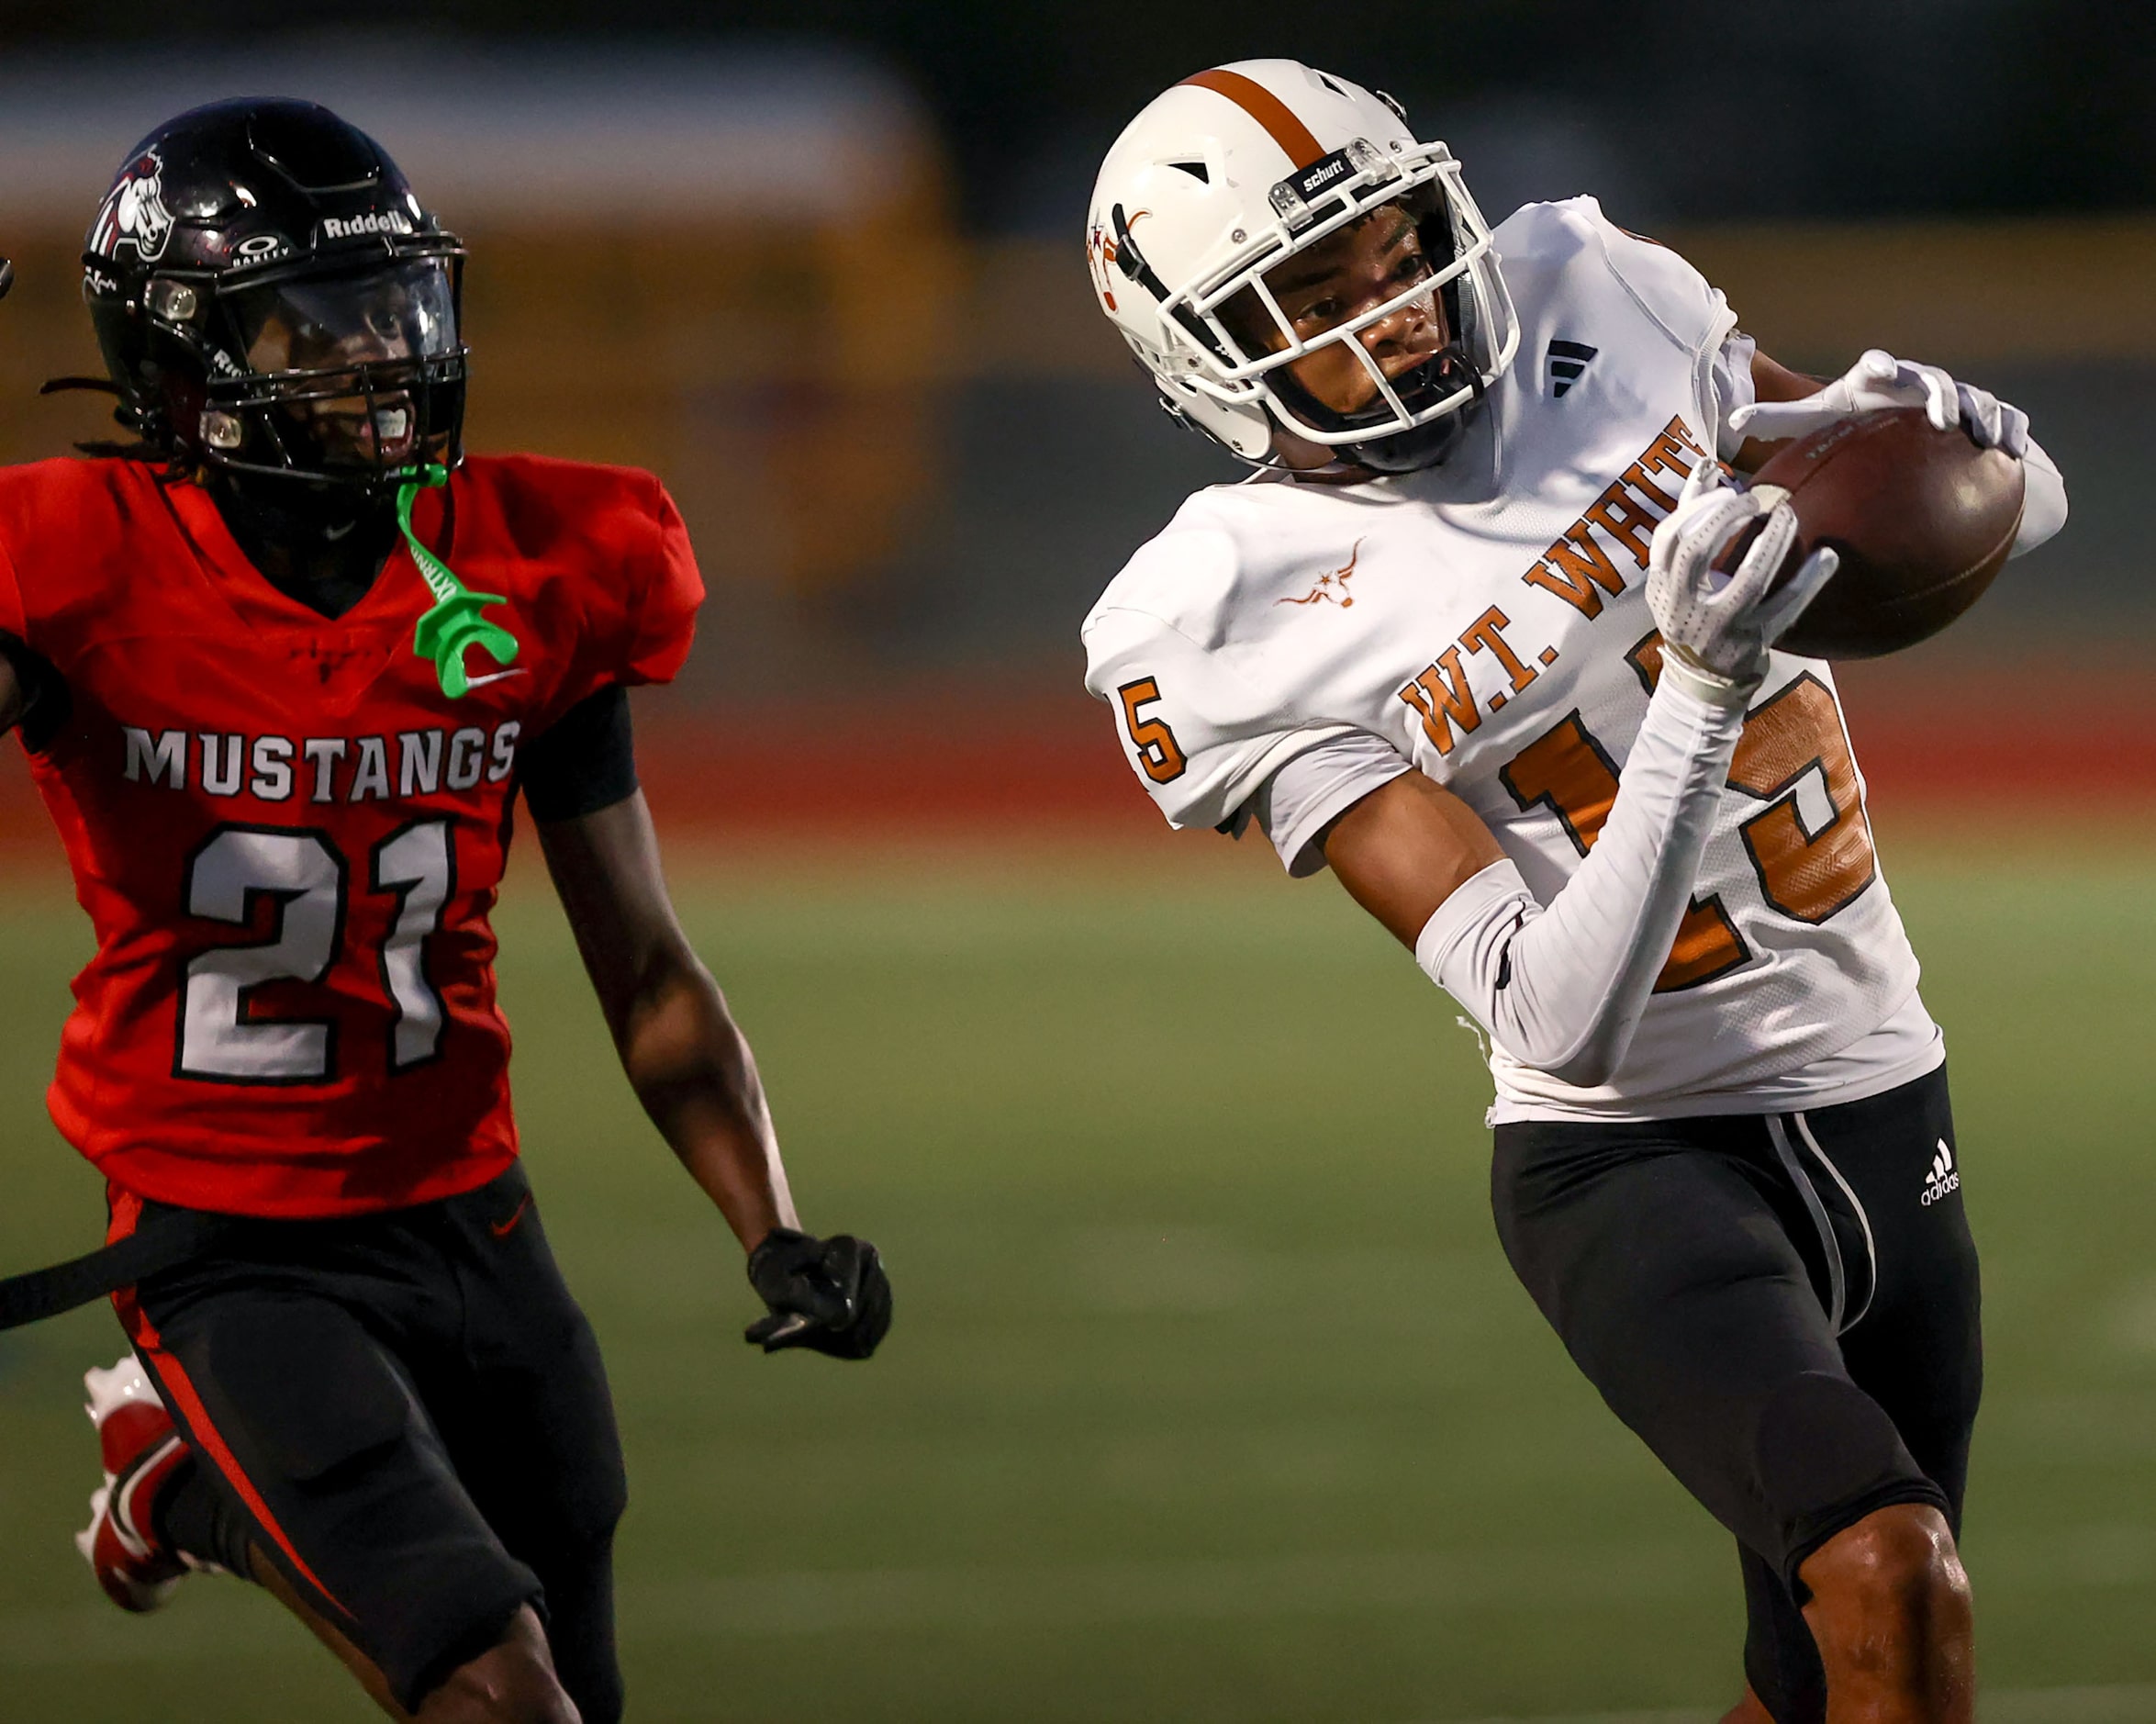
{"x": 1880, "y": 380}
{"x": 1719, "y": 620}
{"x": 1915, "y": 479}
{"x": 829, "y": 1295}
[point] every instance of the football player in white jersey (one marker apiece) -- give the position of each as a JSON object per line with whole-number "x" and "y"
{"x": 1459, "y": 638}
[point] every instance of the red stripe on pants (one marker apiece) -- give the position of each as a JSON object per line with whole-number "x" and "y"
{"x": 180, "y": 1392}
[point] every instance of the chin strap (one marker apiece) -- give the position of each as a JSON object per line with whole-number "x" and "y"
{"x": 454, "y": 623}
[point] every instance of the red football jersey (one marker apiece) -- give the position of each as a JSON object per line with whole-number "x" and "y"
{"x": 288, "y": 838}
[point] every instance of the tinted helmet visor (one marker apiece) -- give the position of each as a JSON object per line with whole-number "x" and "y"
{"x": 357, "y": 373}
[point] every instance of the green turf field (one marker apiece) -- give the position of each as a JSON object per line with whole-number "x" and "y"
{"x": 1209, "y": 1396}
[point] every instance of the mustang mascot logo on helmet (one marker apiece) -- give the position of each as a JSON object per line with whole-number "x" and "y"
{"x": 134, "y": 212}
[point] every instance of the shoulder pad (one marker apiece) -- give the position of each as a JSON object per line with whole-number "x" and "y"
{"x": 1674, "y": 294}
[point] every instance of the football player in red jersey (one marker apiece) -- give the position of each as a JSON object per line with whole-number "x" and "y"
{"x": 281, "y": 668}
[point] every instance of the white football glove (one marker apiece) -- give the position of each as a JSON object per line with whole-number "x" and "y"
{"x": 1717, "y": 629}
{"x": 1879, "y": 379}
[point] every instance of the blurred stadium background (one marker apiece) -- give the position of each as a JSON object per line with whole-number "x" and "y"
{"x": 1211, "y": 1397}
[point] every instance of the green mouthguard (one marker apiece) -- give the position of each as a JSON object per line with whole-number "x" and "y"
{"x": 454, "y": 623}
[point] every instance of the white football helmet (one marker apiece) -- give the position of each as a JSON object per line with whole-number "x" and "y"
{"x": 1225, "y": 176}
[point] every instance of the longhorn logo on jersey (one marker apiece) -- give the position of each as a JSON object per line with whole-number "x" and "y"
{"x": 134, "y": 212}
{"x": 1331, "y": 587}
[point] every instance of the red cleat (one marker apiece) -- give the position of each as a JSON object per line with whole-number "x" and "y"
{"x": 141, "y": 1450}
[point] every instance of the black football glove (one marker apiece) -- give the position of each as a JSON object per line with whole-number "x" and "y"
{"x": 829, "y": 1295}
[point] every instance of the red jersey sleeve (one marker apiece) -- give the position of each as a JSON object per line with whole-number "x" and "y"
{"x": 636, "y": 582}
{"x": 13, "y": 617}
{"x": 665, "y": 588}
{"x": 602, "y": 585}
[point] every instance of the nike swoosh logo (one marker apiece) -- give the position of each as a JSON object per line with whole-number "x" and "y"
{"x": 492, "y": 676}
{"x": 502, "y": 1230}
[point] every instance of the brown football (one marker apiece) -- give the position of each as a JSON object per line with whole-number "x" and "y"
{"x": 1923, "y": 519}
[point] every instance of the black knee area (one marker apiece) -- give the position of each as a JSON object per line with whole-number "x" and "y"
{"x": 1826, "y": 1456}
{"x": 412, "y": 1685}
{"x": 578, "y": 1612}
{"x": 1822, "y": 1441}
{"x": 598, "y": 1504}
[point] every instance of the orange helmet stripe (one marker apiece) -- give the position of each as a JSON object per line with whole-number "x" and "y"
{"x": 1267, "y": 109}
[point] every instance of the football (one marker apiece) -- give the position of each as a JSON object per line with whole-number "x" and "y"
{"x": 1923, "y": 519}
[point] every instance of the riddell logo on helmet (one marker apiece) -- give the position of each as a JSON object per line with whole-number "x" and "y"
{"x": 373, "y": 221}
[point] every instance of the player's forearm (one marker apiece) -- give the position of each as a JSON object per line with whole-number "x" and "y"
{"x": 1770, "y": 381}
{"x": 1561, "y": 989}
{"x": 686, "y": 1058}
{"x": 12, "y": 703}
{"x": 692, "y": 1069}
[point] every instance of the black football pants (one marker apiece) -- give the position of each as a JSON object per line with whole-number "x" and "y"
{"x": 410, "y": 1411}
{"x": 1783, "y": 1307}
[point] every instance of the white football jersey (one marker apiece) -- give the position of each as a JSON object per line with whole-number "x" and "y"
{"x": 1488, "y": 620}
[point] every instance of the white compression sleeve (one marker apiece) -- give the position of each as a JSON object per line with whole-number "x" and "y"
{"x": 1560, "y": 988}
{"x": 2043, "y": 506}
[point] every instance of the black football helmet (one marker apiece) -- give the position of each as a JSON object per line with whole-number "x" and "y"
{"x": 272, "y": 301}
